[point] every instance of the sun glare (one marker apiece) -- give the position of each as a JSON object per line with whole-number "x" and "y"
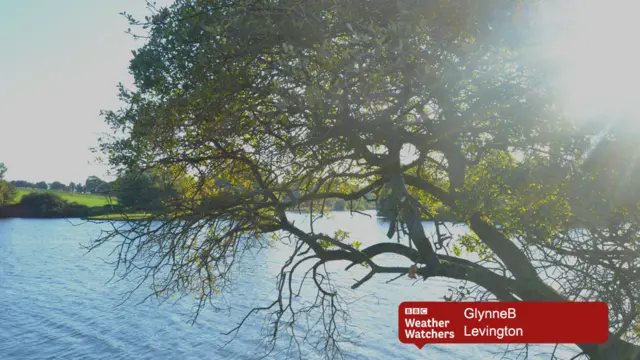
{"x": 595, "y": 46}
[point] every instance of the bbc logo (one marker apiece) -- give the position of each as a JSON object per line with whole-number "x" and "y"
{"x": 416, "y": 311}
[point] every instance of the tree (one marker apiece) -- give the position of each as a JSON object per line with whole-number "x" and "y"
{"x": 42, "y": 185}
{"x": 44, "y": 204}
{"x": 7, "y": 190}
{"x": 80, "y": 188}
{"x": 8, "y": 193}
{"x": 106, "y": 187}
{"x": 23, "y": 184}
{"x": 57, "y": 185}
{"x": 295, "y": 102}
{"x": 92, "y": 183}
{"x": 72, "y": 187}
{"x": 141, "y": 191}
{"x": 95, "y": 185}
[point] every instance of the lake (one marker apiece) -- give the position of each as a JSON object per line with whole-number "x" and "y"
{"x": 55, "y": 303}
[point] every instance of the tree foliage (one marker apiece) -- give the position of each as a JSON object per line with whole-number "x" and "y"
{"x": 95, "y": 185}
{"x": 42, "y": 185}
{"x": 7, "y": 190}
{"x": 419, "y": 105}
{"x": 23, "y": 184}
{"x": 8, "y": 193}
{"x": 44, "y": 204}
{"x": 57, "y": 185}
{"x": 141, "y": 191}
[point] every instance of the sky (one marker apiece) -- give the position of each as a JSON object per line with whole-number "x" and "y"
{"x": 594, "y": 45}
{"x": 60, "y": 63}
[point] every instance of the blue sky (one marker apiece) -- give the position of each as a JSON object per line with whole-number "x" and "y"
{"x": 60, "y": 62}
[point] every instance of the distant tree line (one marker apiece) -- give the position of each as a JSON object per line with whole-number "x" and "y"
{"x": 140, "y": 191}
{"x": 50, "y": 204}
{"x": 137, "y": 191}
{"x": 92, "y": 185}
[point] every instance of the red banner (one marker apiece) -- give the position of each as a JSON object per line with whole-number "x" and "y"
{"x": 423, "y": 323}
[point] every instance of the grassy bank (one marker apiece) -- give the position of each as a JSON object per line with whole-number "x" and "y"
{"x": 119, "y": 217}
{"x": 89, "y": 200}
{"x": 51, "y": 204}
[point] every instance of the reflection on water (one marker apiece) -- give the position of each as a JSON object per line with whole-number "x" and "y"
{"x": 55, "y": 302}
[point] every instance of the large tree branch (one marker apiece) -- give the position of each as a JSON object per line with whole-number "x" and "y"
{"x": 515, "y": 260}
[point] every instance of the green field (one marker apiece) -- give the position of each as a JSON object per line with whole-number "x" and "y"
{"x": 90, "y": 200}
{"x": 131, "y": 217}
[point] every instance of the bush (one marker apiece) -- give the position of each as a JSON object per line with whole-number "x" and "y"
{"x": 45, "y": 205}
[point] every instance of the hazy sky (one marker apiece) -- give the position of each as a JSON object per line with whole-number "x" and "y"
{"x": 60, "y": 62}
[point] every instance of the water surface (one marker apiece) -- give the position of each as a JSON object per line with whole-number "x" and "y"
{"x": 55, "y": 303}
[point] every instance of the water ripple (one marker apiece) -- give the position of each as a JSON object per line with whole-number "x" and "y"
{"x": 56, "y": 304}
